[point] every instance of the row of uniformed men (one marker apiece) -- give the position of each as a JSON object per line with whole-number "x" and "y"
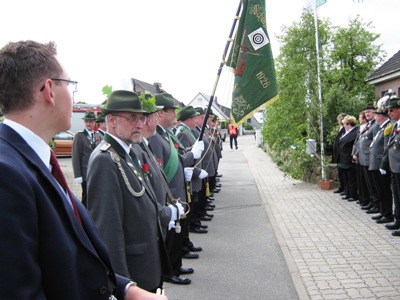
{"x": 371, "y": 172}
{"x": 147, "y": 188}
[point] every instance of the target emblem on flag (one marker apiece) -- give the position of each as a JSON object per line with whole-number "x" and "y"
{"x": 258, "y": 38}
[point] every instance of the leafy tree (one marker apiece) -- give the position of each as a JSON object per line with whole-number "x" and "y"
{"x": 347, "y": 56}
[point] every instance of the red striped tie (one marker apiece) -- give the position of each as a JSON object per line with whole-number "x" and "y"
{"x": 59, "y": 176}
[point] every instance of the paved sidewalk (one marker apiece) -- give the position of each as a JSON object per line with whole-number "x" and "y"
{"x": 339, "y": 252}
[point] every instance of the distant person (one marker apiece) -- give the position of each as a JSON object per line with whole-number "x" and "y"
{"x": 335, "y": 153}
{"x": 84, "y": 143}
{"x": 233, "y": 134}
{"x": 50, "y": 246}
{"x": 101, "y": 124}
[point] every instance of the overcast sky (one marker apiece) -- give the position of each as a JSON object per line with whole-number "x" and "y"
{"x": 179, "y": 43}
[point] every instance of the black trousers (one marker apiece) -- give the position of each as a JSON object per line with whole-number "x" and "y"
{"x": 384, "y": 190}
{"x": 364, "y": 185}
{"x": 373, "y": 195}
{"x": 396, "y": 195}
{"x": 84, "y": 197}
{"x": 233, "y": 137}
{"x": 341, "y": 178}
{"x": 350, "y": 182}
{"x": 174, "y": 243}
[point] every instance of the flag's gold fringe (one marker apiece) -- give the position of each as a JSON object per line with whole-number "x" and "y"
{"x": 250, "y": 114}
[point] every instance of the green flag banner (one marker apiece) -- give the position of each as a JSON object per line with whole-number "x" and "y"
{"x": 252, "y": 61}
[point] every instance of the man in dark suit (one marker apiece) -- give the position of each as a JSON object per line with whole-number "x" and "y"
{"x": 345, "y": 158}
{"x": 362, "y": 155}
{"x": 174, "y": 159}
{"x": 50, "y": 246}
{"x": 391, "y": 160}
{"x": 335, "y": 153}
{"x": 121, "y": 199}
{"x": 84, "y": 143}
{"x": 382, "y": 182}
{"x": 101, "y": 124}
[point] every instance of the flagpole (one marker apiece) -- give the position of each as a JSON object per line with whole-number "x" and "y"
{"x": 219, "y": 71}
{"x": 323, "y": 174}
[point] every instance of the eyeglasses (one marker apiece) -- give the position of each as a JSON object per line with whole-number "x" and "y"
{"x": 72, "y": 85}
{"x": 134, "y": 118}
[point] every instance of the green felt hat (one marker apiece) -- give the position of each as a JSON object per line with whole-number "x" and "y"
{"x": 89, "y": 116}
{"x": 200, "y": 110}
{"x": 394, "y": 102}
{"x": 186, "y": 113}
{"x": 123, "y": 101}
{"x": 100, "y": 118}
{"x": 165, "y": 100}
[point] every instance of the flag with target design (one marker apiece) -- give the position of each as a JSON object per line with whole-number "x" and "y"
{"x": 251, "y": 59}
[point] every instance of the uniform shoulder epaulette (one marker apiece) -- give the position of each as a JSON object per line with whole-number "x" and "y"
{"x": 388, "y": 129}
{"x": 105, "y": 147}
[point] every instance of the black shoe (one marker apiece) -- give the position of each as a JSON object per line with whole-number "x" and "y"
{"x": 209, "y": 203}
{"x": 215, "y": 191}
{"x": 338, "y": 191}
{"x": 209, "y": 208}
{"x": 377, "y": 217}
{"x": 186, "y": 270}
{"x": 209, "y": 215}
{"x": 384, "y": 220}
{"x": 218, "y": 175}
{"x": 237, "y": 147}
{"x": 205, "y": 218}
{"x": 191, "y": 255}
{"x": 198, "y": 230}
{"x": 373, "y": 210}
{"x": 204, "y": 226}
{"x": 396, "y": 233}
{"x": 211, "y": 198}
{"x": 393, "y": 226}
{"x": 218, "y": 185}
{"x": 346, "y": 197}
{"x": 352, "y": 199}
{"x": 367, "y": 207}
{"x": 342, "y": 194}
{"x": 195, "y": 249}
{"x": 176, "y": 279}
{"x": 211, "y": 195}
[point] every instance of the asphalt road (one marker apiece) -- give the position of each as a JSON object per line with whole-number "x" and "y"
{"x": 241, "y": 257}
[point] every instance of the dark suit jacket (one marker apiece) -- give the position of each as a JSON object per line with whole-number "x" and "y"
{"x": 46, "y": 253}
{"x": 346, "y": 142}
{"x": 377, "y": 147}
{"x": 364, "y": 141}
{"x": 161, "y": 148}
{"x": 159, "y": 188}
{"x": 82, "y": 147}
{"x": 335, "y": 152}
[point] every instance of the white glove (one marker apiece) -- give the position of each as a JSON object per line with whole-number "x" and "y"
{"x": 174, "y": 211}
{"x": 203, "y": 174}
{"x": 171, "y": 225}
{"x": 383, "y": 172}
{"x": 197, "y": 149}
{"x": 180, "y": 208}
{"x": 188, "y": 173}
{"x": 78, "y": 180}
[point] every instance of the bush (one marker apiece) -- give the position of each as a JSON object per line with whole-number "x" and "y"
{"x": 248, "y": 126}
